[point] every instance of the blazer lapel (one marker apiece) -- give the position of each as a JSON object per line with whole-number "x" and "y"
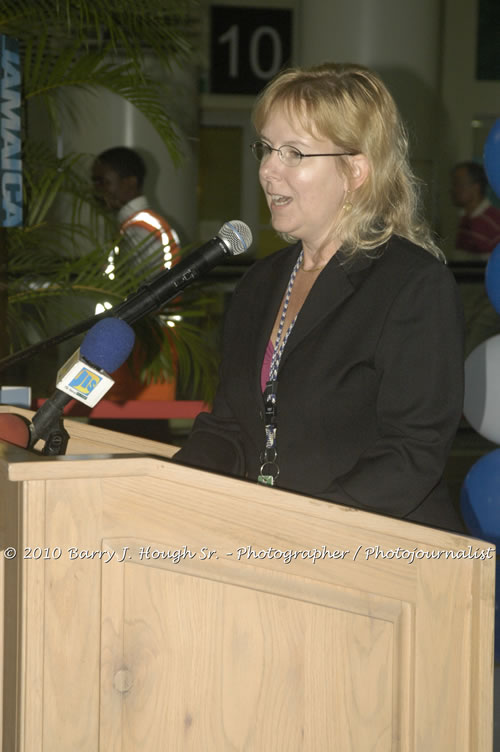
{"x": 272, "y": 287}
{"x": 337, "y": 282}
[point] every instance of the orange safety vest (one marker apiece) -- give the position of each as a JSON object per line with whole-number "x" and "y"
{"x": 159, "y": 228}
{"x": 126, "y": 386}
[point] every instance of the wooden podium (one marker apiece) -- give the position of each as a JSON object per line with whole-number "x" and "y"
{"x": 154, "y": 607}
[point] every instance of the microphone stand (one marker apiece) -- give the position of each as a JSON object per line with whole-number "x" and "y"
{"x": 53, "y": 431}
{"x": 122, "y": 310}
{"x": 151, "y": 296}
{"x": 38, "y": 347}
{"x": 48, "y": 424}
{"x": 57, "y": 441}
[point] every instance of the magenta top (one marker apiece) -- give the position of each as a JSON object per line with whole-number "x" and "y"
{"x": 266, "y": 365}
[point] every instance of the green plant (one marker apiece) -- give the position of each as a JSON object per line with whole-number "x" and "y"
{"x": 88, "y": 44}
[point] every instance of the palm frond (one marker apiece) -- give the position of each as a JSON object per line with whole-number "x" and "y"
{"x": 46, "y": 74}
{"x": 160, "y": 26}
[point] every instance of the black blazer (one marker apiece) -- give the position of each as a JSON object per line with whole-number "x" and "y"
{"x": 370, "y": 386}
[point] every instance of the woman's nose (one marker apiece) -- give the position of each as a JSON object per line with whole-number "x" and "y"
{"x": 271, "y": 164}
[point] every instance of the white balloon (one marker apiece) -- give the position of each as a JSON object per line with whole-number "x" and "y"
{"x": 482, "y": 389}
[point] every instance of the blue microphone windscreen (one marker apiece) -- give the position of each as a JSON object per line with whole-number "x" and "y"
{"x": 108, "y": 344}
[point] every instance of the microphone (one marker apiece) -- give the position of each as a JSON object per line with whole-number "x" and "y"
{"x": 233, "y": 238}
{"x": 83, "y": 377}
{"x": 15, "y": 429}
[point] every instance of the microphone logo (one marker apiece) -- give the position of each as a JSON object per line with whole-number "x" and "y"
{"x": 85, "y": 382}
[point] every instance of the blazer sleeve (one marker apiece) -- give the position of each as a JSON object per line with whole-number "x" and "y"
{"x": 420, "y": 362}
{"x": 214, "y": 442}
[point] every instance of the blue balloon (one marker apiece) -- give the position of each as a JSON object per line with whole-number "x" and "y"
{"x": 492, "y": 279}
{"x": 492, "y": 157}
{"x": 480, "y": 498}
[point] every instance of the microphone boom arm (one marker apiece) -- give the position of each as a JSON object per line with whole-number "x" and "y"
{"x": 136, "y": 305}
{"x": 153, "y": 295}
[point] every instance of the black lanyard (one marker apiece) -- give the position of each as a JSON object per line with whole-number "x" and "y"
{"x": 269, "y": 469}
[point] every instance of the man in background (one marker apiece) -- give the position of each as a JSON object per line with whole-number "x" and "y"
{"x": 146, "y": 237}
{"x": 479, "y": 226}
{"x": 477, "y": 236}
{"x": 147, "y": 241}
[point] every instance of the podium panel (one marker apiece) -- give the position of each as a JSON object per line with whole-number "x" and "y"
{"x": 152, "y": 606}
{"x": 200, "y": 655}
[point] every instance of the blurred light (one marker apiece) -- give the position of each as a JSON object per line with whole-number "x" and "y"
{"x": 101, "y": 307}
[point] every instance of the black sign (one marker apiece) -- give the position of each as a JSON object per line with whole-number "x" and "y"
{"x": 488, "y": 41}
{"x": 248, "y": 47}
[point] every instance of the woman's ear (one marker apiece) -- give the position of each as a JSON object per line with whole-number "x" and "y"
{"x": 360, "y": 168}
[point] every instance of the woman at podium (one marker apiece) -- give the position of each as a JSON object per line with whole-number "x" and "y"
{"x": 342, "y": 368}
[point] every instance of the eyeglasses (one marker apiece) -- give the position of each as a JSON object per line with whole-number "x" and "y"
{"x": 289, "y": 155}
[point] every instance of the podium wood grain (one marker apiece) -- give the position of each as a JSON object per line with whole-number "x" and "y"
{"x": 224, "y": 651}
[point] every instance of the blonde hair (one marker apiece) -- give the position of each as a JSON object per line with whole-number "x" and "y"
{"x": 351, "y": 106}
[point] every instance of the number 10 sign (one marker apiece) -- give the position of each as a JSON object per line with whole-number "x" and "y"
{"x": 248, "y": 46}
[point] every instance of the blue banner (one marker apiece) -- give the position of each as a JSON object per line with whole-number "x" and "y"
{"x": 11, "y": 175}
